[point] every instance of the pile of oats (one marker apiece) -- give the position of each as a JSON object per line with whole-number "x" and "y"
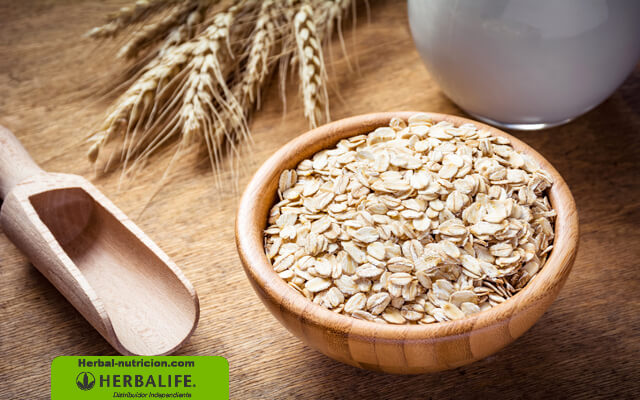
{"x": 416, "y": 223}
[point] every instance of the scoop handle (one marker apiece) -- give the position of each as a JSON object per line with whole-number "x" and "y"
{"x": 16, "y": 164}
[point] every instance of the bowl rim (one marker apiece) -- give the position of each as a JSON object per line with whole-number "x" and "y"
{"x": 252, "y": 217}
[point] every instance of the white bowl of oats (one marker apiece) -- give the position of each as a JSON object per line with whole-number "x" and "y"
{"x": 407, "y": 242}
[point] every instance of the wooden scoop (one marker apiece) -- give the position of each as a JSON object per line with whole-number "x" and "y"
{"x": 111, "y": 272}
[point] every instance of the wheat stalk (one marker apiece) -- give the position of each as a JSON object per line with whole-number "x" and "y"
{"x": 126, "y": 16}
{"x": 150, "y": 32}
{"x": 312, "y": 72}
{"x": 206, "y": 89}
{"x": 231, "y": 122}
{"x": 329, "y": 16}
{"x": 136, "y": 104}
{"x": 262, "y": 47}
{"x": 204, "y": 68}
{"x": 329, "y": 20}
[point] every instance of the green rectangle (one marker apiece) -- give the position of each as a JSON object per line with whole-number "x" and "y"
{"x": 106, "y": 377}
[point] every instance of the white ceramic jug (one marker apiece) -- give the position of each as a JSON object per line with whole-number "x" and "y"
{"x": 527, "y": 64}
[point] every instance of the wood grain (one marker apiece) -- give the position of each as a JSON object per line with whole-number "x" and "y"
{"x": 585, "y": 346}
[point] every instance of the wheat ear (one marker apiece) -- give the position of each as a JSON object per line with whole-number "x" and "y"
{"x": 311, "y": 67}
{"x": 202, "y": 93}
{"x": 136, "y": 104}
{"x": 329, "y": 17}
{"x": 207, "y": 77}
{"x": 204, "y": 67}
{"x": 152, "y": 32}
{"x": 258, "y": 64}
{"x": 126, "y": 16}
{"x": 231, "y": 119}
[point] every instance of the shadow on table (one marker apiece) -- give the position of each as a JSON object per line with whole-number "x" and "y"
{"x": 555, "y": 359}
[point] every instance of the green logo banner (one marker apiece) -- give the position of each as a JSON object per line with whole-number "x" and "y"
{"x": 106, "y": 377}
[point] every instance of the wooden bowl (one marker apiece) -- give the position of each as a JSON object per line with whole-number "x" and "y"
{"x": 402, "y": 349}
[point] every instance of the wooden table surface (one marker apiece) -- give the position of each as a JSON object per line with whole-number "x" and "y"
{"x": 586, "y": 346}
